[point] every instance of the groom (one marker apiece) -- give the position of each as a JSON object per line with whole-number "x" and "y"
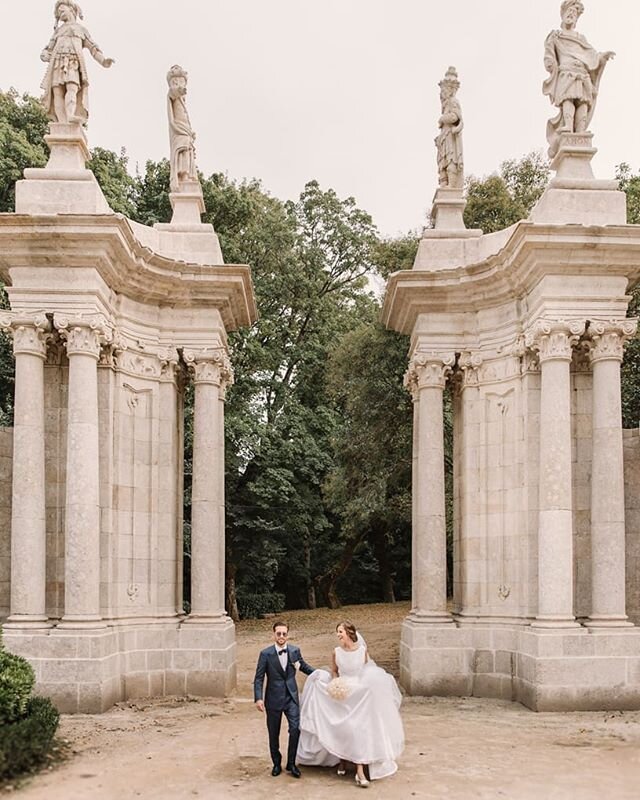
{"x": 279, "y": 663}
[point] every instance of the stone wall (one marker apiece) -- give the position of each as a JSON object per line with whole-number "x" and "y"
{"x": 6, "y": 449}
{"x": 632, "y": 502}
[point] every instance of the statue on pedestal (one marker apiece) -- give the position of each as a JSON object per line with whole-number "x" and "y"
{"x": 449, "y": 140}
{"x": 181, "y": 135}
{"x": 66, "y": 82}
{"x": 575, "y": 69}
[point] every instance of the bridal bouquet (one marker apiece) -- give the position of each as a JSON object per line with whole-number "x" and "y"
{"x": 339, "y": 689}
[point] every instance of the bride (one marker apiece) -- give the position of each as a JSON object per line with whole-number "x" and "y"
{"x": 352, "y": 714}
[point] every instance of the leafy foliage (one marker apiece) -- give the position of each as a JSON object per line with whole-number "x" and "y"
{"x": 16, "y": 683}
{"x": 630, "y": 184}
{"x": 501, "y": 200}
{"x": 26, "y": 742}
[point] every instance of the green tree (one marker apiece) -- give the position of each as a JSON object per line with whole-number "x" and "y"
{"x": 630, "y": 184}
{"x": 23, "y": 124}
{"x": 501, "y": 200}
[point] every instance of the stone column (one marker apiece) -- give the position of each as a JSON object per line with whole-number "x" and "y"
{"x": 427, "y": 378}
{"x": 553, "y": 340}
{"x": 210, "y": 370}
{"x": 84, "y": 337}
{"x": 28, "y": 532}
{"x": 608, "y": 607}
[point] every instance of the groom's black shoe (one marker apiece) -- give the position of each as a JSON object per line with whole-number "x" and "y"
{"x": 294, "y": 771}
{"x": 277, "y": 769}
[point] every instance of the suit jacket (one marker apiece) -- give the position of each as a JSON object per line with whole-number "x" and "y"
{"x": 281, "y": 684}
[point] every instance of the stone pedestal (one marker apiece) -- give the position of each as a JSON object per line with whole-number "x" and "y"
{"x": 447, "y": 215}
{"x": 65, "y": 185}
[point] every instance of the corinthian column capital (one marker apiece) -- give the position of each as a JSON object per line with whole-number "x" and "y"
{"x": 470, "y": 364}
{"x": 210, "y": 366}
{"x": 608, "y": 338}
{"x": 83, "y": 334}
{"x": 428, "y": 370}
{"x": 554, "y": 339}
{"x": 30, "y": 332}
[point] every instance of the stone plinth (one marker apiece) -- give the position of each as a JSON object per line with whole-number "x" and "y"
{"x": 447, "y": 215}
{"x": 574, "y": 195}
{"x": 532, "y": 321}
{"x": 65, "y": 185}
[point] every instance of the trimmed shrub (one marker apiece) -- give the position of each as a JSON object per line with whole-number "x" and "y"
{"x": 24, "y": 744}
{"x": 16, "y": 683}
{"x": 252, "y": 605}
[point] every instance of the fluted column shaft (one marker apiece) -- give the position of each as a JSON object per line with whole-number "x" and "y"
{"x": 28, "y": 531}
{"x": 210, "y": 370}
{"x": 608, "y": 603}
{"x": 427, "y": 378}
{"x": 82, "y": 504}
{"x": 553, "y": 341}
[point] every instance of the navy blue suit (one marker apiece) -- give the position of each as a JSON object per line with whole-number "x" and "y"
{"x": 280, "y": 697}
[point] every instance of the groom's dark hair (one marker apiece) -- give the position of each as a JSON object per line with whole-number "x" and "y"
{"x": 280, "y": 624}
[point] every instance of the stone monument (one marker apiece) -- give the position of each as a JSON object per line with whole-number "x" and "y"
{"x": 448, "y": 202}
{"x": 109, "y": 320}
{"x": 527, "y": 326}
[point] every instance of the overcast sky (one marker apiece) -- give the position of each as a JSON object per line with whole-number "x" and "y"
{"x": 343, "y": 91}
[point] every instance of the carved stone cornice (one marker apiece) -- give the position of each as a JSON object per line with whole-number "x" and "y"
{"x": 469, "y": 364}
{"x": 84, "y": 334}
{"x": 428, "y": 370}
{"x": 30, "y": 332}
{"x": 553, "y": 340}
{"x": 608, "y": 338}
{"x": 210, "y": 366}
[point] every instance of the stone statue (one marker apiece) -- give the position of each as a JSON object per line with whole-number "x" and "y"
{"x": 66, "y": 82}
{"x": 449, "y": 140}
{"x": 575, "y": 70}
{"x": 181, "y": 135}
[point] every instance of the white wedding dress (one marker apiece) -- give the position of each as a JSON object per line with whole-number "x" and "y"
{"x": 365, "y": 727}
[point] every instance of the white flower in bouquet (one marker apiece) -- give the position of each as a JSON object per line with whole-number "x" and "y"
{"x": 339, "y": 689}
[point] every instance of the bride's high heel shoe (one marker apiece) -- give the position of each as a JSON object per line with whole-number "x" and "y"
{"x": 362, "y": 782}
{"x": 341, "y": 769}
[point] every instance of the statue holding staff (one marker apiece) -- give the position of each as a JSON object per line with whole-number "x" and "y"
{"x": 181, "y": 135}
{"x": 575, "y": 69}
{"x": 449, "y": 140}
{"x": 66, "y": 82}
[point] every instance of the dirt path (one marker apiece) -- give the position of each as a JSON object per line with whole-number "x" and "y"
{"x": 457, "y": 749}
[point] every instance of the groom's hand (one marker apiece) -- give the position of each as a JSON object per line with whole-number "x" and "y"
{"x": 260, "y": 705}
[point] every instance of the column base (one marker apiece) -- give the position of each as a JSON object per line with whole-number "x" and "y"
{"x": 81, "y": 622}
{"x": 207, "y": 619}
{"x": 552, "y": 622}
{"x": 608, "y": 621}
{"x": 425, "y": 618}
{"x": 27, "y": 621}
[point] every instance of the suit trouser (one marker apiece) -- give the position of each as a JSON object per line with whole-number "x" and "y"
{"x": 274, "y": 720}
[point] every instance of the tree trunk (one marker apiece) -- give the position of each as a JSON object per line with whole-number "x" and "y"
{"x": 327, "y": 583}
{"x": 311, "y": 592}
{"x": 230, "y": 591}
{"x": 385, "y": 571}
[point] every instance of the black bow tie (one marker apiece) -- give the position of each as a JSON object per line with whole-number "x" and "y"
{"x": 282, "y": 652}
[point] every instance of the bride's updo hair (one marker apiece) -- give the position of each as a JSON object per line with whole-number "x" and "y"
{"x": 350, "y": 630}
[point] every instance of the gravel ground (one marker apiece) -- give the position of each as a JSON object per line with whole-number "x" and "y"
{"x": 457, "y": 749}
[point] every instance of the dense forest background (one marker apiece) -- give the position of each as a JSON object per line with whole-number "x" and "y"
{"x": 318, "y": 424}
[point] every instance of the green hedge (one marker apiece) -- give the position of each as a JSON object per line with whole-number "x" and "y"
{"x": 24, "y": 744}
{"x": 255, "y": 605}
{"x": 16, "y": 683}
